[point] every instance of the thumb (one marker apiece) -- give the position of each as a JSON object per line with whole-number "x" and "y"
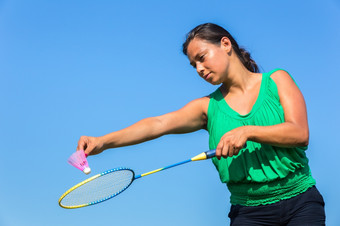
{"x": 82, "y": 143}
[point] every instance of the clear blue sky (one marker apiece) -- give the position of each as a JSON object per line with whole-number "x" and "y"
{"x": 72, "y": 68}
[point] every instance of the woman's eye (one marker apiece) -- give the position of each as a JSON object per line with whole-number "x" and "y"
{"x": 202, "y": 58}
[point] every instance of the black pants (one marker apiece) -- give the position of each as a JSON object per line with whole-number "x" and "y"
{"x": 304, "y": 209}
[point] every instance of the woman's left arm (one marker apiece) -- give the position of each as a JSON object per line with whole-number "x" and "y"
{"x": 293, "y": 132}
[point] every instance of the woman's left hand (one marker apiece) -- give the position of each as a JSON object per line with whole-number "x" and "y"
{"x": 232, "y": 142}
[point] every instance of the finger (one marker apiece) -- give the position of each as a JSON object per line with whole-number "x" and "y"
{"x": 236, "y": 150}
{"x": 225, "y": 151}
{"x": 81, "y": 143}
{"x": 231, "y": 151}
{"x": 219, "y": 150}
{"x": 89, "y": 149}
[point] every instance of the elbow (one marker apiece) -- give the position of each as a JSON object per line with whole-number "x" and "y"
{"x": 304, "y": 143}
{"x": 304, "y": 138}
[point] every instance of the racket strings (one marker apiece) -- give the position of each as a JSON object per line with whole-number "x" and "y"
{"x": 99, "y": 189}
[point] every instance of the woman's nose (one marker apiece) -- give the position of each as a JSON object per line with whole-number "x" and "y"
{"x": 200, "y": 69}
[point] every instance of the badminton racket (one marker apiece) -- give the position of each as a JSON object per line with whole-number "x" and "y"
{"x": 111, "y": 183}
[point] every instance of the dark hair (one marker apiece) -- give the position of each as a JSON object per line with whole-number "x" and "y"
{"x": 213, "y": 33}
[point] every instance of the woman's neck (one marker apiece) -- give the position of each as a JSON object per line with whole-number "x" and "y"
{"x": 238, "y": 78}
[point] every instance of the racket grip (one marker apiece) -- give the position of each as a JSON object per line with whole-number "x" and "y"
{"x": 210, "y": 153}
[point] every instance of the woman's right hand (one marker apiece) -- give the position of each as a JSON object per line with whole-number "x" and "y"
{"x": 91, "y": 145}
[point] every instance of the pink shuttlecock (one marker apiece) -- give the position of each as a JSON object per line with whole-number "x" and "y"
{"x": 78, "y": 160}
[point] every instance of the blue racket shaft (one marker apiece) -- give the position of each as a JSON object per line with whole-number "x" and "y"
{"x": 202, "y": 156}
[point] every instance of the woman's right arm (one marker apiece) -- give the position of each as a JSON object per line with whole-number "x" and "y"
{"x": 190, "y": 118}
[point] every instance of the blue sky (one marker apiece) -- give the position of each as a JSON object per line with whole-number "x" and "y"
{"x": 72, "y": 68}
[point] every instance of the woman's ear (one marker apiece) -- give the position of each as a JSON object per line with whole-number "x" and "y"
{"x": 226, "y": 44}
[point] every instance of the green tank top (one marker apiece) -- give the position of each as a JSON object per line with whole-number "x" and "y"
{"x": 260, "y": 174}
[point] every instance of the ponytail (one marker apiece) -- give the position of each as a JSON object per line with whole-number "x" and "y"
{"x": 247, "y": 61}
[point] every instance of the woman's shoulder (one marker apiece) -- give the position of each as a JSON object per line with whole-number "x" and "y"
{"x": 277, "y": 72}
{"x": 200, "y": 104}
{"x": 281, "y": 77}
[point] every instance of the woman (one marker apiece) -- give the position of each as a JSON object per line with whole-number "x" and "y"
{"x": 256, "y": 122}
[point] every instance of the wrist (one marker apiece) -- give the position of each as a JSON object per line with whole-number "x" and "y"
{"x": 105, "y": 142}
{"x": 249, "y": 132}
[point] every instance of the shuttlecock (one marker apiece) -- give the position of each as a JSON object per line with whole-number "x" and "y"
{"x": 78, "y": 160}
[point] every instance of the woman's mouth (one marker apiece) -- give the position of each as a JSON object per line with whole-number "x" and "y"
{"x": 206, "y": 76}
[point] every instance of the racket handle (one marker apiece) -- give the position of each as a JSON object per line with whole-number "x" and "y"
{"x": 210, "y": 153}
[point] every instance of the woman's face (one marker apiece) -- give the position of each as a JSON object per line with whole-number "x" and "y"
{"x": 210, "y": 60}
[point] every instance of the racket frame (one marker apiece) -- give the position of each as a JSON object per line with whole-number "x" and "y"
{"x": 91, "y": 179}
{"x": 204, "y": 155}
